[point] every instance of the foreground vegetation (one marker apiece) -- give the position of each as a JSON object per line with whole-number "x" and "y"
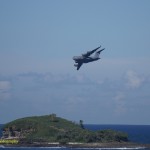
{"x": 9, "y": 141}
{"x": 51, "y": 128}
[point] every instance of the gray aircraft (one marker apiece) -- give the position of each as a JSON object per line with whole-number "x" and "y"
{"x": 85, "y": 58}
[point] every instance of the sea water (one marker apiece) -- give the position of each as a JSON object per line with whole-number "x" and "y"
{"x": 136, "y": 133}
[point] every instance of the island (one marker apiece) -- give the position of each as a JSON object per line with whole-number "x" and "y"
{"x": 50, "y": 130}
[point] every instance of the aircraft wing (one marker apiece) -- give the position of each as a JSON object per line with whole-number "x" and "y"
{"x": 90, "y": 52}
{"x": 79, "y": 65}
{"x": 100, "y": 50}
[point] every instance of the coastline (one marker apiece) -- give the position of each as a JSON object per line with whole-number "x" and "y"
{"x": 83, "y": 145}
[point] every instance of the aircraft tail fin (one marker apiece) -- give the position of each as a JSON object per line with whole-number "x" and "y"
{"x": 98, "y": 53}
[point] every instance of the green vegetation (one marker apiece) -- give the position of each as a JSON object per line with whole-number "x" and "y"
{"x": 51, "y": 128}
{"x": 8, "y": 141}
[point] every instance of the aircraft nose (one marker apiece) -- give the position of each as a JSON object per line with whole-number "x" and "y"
{"x": 74, "y": 57}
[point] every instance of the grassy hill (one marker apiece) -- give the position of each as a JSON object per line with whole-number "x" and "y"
{"x": 51, "y": 128}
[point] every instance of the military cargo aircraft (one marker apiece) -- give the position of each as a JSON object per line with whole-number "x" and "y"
{"x": 85, "y": 58}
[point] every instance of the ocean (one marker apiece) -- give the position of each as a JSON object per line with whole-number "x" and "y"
{"x": 137, "y": 133}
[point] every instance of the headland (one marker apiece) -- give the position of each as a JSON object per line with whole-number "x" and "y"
{"x": 53, "y": 131}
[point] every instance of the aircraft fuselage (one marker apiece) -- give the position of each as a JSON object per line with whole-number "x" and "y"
{"x": 84, "y": 59}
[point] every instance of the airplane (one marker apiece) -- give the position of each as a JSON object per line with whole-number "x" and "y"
{"x": 85, "y": 58}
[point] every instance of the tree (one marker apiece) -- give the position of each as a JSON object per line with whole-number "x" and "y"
{"x": 81, "y": 124}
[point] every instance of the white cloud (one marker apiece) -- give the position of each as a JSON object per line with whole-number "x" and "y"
{"x": 5, "y": 85}
{"x": 119, "y": 96}
{"x": 80, "y": 78}
{"x": 75, "y": 102}
{"x": 133, "y": 80}
{"x": 4, "y": 90}
{"x": 120, "y": 103}
{"x": 77, "y": 95}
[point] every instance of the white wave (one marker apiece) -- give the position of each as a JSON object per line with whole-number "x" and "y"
{"x": 33, "y": 148}
{"x": 120, "y": 148}
{"x": 65, "y": 148}
{"x": 123, "y": 148}
{"x": 2, "y": 146}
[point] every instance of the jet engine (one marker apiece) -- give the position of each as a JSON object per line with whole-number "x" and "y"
{"x": 75, "y": 65}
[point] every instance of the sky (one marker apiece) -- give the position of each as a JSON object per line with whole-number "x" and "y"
{"x": 38, "y": 39}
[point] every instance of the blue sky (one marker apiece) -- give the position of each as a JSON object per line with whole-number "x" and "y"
{"x": 37, "y": 76}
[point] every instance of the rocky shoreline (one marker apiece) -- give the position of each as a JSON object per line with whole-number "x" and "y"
{"x": 84, "y": 145}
